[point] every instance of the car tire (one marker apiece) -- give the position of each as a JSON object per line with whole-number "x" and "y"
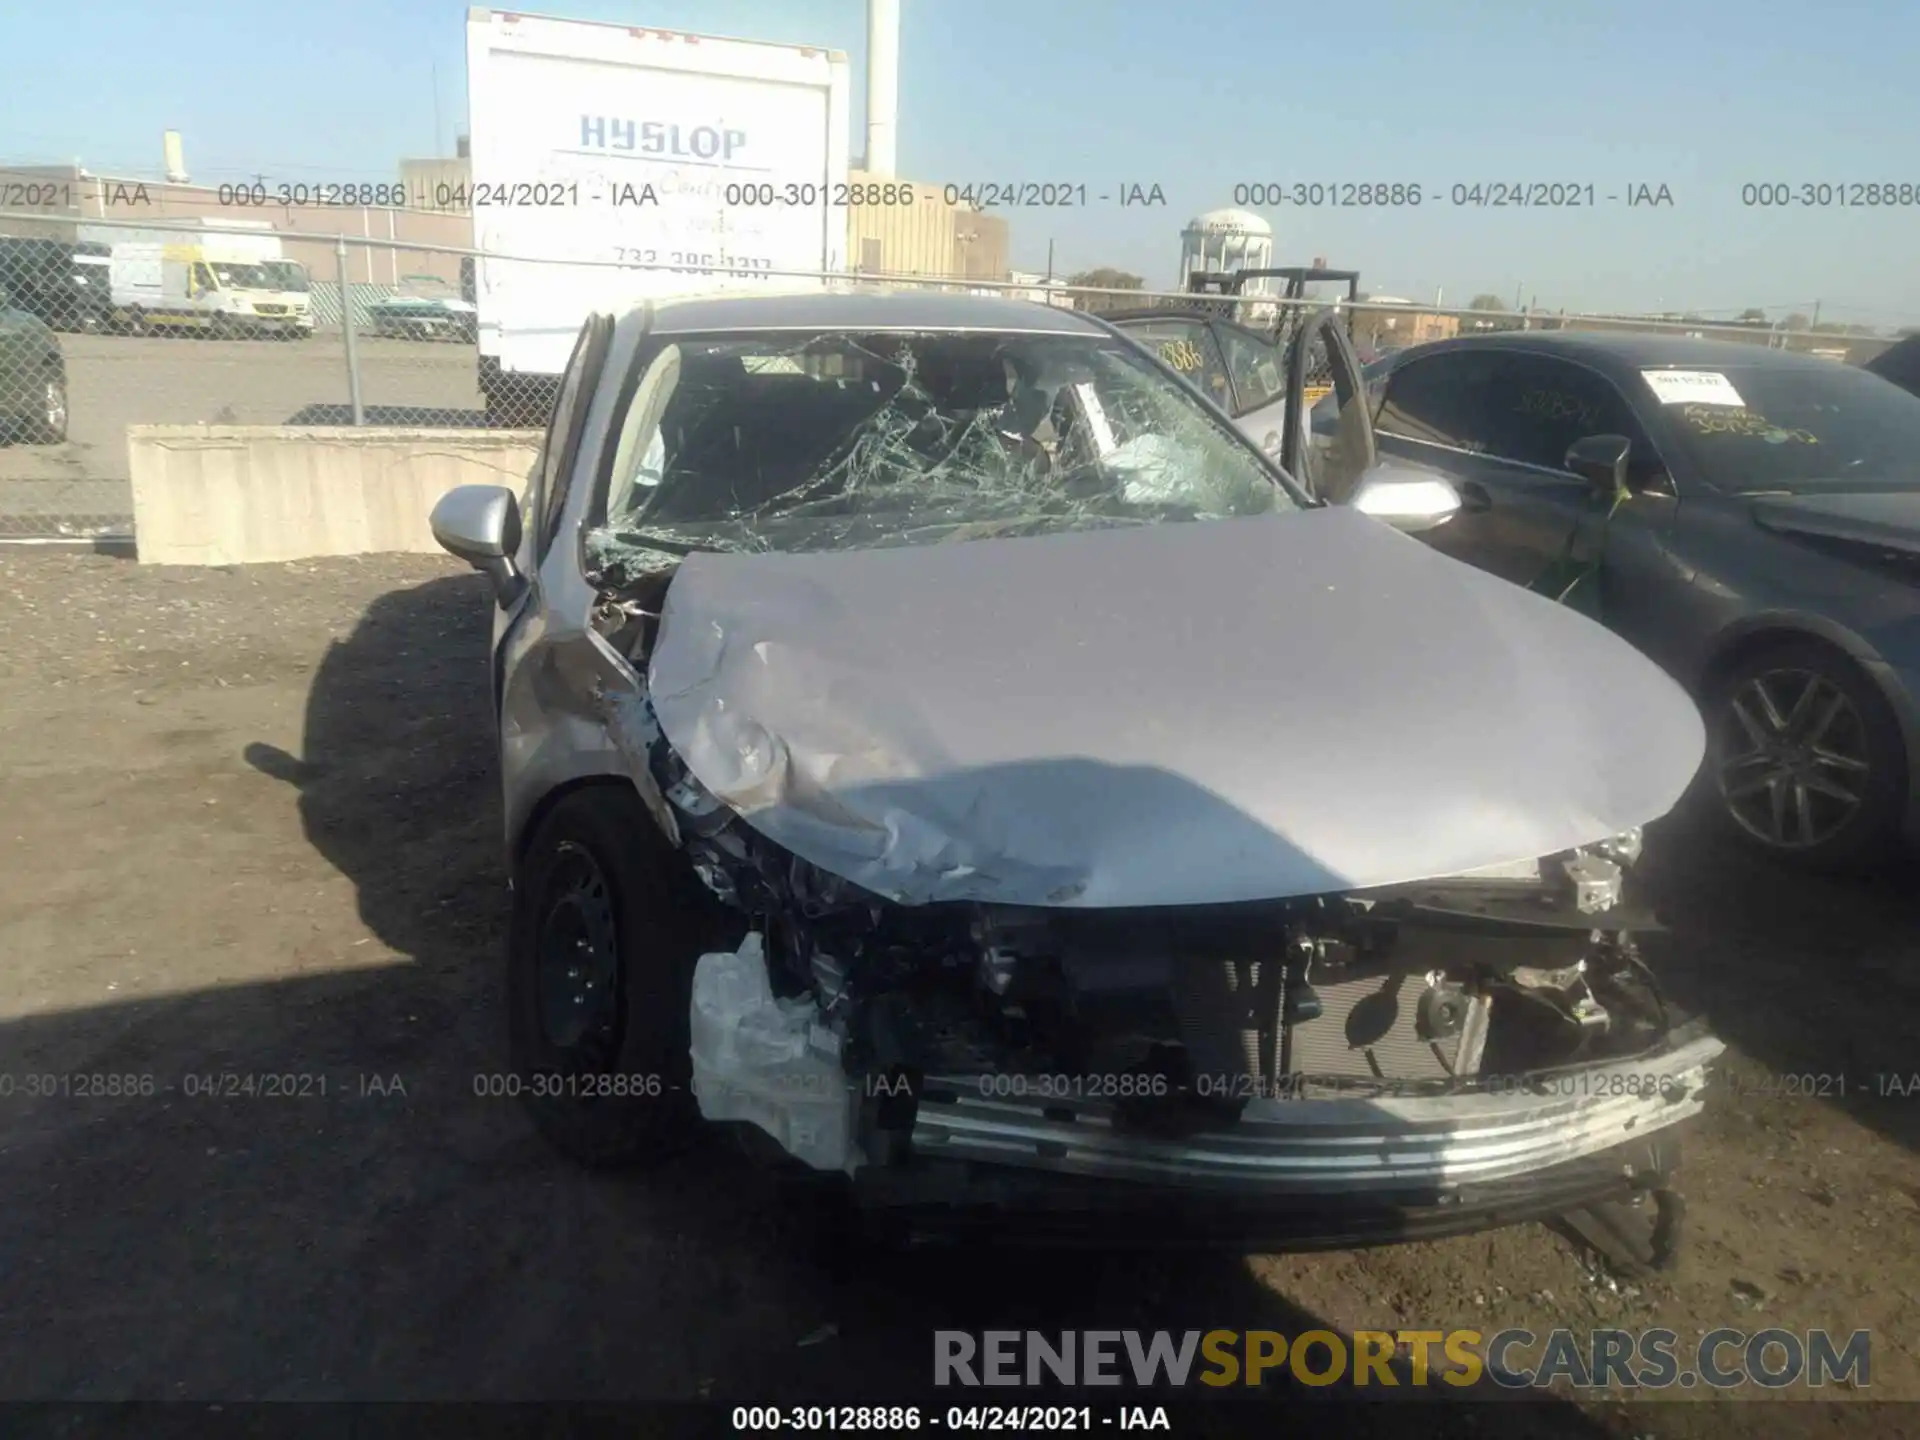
{"x": 48, "y": 423}
{"x": 604, "y": 939}
{"x": 1861, "y": 734}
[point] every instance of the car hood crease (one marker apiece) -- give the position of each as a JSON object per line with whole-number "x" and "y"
{"x": 1173, "y": 715}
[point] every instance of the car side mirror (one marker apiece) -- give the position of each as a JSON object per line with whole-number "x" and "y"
{"x": 480, "y": 524}
{"x": 1601, "y": 461}
{"x": 1409, "y": 500}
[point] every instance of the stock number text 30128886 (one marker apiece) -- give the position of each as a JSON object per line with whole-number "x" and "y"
{"x": 855, "y": 195}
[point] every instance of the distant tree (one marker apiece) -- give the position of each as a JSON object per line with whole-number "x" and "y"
{"x": 1752, "y": 315}
{"x": 1107, "y": 278}
{"x": 1906, "y": 332}
{"x": 1487, "y": 302}
{"x": 1795, "y": 321}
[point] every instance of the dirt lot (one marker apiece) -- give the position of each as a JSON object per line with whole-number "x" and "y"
{"x": 249, "y": 825}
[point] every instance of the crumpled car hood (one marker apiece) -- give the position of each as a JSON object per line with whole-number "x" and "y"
{"x": 1183, "y": 714}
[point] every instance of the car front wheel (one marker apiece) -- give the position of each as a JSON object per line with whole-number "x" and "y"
{"x": 1806, "y": 758}
{"x": 599, "y": 979}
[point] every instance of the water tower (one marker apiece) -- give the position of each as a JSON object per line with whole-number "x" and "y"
{"x": 1226, "y": 240}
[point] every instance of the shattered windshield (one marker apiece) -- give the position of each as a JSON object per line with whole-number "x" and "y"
{"x": 845, "y": 441}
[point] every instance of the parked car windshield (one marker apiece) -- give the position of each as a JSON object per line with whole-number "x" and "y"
{"x": 833, "y": 441}
{"x": 244, "y": 277}
{"x": 1811, "y": 428}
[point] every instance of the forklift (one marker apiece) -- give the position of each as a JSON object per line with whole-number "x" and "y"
{"x": 1298, "y": 277}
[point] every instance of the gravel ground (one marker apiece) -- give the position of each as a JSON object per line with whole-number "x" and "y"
{"x": 250, "y": 825}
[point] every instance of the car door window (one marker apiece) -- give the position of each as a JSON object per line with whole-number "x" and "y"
{"x": 554, "y": 470}
{"x": 1254, "y": 366}
{"x": 1189, "y": 347}
{"x": 1537, "y": 406}
{"x": 1440, "y": 399}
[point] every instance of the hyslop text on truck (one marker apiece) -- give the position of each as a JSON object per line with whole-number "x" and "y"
{"x": 604, "y": 157}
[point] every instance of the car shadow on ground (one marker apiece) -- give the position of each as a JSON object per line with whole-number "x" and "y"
{"x": 1813, "y": 979}
{"x": 379, "y": 1231}
{"x": 383, "y": 1227}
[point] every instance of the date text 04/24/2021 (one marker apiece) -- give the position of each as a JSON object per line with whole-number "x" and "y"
{"x": 955, "y": 1419}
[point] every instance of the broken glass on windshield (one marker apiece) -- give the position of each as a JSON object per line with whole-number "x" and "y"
{"x": 843, "y": 441}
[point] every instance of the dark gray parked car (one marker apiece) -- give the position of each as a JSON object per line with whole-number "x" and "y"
{"x": 1764, "y": 552}
{"x": 33, "y": 377}
{"x": 935, "y": 739}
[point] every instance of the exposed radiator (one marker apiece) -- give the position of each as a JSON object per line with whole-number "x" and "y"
{"x": 1380, "y": 1023}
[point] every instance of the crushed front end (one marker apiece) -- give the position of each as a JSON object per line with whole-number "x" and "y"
{"x": 1324, "y": 1070}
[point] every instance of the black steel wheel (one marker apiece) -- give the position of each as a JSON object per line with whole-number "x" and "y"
{"x": 605, "y": 936}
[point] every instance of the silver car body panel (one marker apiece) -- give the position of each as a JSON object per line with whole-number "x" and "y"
{"x": 1284, "y": 705}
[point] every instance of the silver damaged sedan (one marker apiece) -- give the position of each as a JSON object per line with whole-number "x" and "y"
{"x": 938, "y": 746}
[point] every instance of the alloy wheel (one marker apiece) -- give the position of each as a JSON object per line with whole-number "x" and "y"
{"x": 53, "y": 409}
{"x": 1793, "y": 764}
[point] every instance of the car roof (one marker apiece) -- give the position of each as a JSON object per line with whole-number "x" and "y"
{"x": 1617, "y": 349}
{"x": 867, "y": 310}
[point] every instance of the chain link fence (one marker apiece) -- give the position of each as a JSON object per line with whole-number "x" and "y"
{"x": 194, "y": 325}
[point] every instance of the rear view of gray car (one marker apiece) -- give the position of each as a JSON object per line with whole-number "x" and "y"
{"x": 935, "y": 741}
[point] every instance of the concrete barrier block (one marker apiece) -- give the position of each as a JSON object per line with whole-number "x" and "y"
{"x": 244, "y": 494}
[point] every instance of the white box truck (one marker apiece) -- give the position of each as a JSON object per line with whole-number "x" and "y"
{"x": 233, "y": 281}
{"x": 702, "y": 163}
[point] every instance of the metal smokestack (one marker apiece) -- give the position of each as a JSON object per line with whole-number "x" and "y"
{"x": 883, "y": 84}
{"x": 176, "y": 157}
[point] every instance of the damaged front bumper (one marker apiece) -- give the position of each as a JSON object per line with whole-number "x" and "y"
{"x": 1335, "y": 1146}
{"x": 954, "y": 1202}
{"x": 1302, "y": 1175}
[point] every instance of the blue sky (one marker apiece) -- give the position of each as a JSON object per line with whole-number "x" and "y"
{"x": 1196, "y": 96}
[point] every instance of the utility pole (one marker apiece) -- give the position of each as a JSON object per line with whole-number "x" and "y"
{"x": 1049, "y": 262}
{"x": 1814, "y": 324}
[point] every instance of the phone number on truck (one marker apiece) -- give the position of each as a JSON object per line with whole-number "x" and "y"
{"x": 697, "y": 261}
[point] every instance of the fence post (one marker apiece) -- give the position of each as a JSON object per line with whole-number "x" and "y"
{"x": 346, "y": 330}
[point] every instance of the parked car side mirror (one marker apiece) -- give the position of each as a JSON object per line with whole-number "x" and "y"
{"x": 1601, "y": 461}
{"x": 480, "y": 524}
{"x": 1409, "y": 500}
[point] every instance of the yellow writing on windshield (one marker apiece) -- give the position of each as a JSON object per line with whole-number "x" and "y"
{"x": 1731, "y": 420}
{"x": 1557, "y": 405}
{"x": 1182, "y": 355}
